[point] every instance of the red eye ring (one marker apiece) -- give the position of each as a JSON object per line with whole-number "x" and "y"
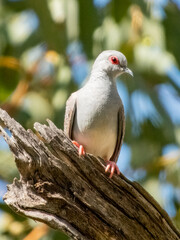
{"x": 114, "y": 60}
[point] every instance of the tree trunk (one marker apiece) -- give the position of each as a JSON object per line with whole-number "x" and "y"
{"x": 74, "y": 194}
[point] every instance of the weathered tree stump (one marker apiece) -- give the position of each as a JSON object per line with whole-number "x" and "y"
{"x": 74, "y": 194}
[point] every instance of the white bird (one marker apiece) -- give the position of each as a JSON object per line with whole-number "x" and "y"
{"x": 94, "y": 117}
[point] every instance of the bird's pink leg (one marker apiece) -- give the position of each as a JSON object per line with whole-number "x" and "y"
{"x": 112, "y": 166}
{"x": 80, "y": 148}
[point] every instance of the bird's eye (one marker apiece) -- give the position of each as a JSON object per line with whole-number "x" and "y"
{"x": 114, "y": 60}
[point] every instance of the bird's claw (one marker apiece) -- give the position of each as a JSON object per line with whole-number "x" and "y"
{"x": 112, "y": 167}
{"x": 81, "y": 150}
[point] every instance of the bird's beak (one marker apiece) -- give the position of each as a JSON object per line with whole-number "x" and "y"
{"x": 127, "y": 70}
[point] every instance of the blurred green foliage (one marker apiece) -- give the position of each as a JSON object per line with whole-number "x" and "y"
{"x": 45, "y": 44}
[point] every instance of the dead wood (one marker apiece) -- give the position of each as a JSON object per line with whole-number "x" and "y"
{"x": 74, "y": 194}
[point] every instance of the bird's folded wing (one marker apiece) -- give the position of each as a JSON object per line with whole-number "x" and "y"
{"x": 69, "y": 114}
{"x": 120, "y": 134}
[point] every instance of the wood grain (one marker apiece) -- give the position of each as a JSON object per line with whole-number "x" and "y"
{"x": 74, "y": 194}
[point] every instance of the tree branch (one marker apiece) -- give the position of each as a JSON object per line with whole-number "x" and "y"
{"x": 74, "y": 194}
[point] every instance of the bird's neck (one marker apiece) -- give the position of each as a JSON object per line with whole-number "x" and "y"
{"x": 101, "y": 77}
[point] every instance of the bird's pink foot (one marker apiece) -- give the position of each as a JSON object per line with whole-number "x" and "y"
{"x": 112, "y": 167}
{"x": 80, "y": 148}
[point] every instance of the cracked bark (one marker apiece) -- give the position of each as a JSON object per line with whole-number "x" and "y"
{"x": 74, "y": 194}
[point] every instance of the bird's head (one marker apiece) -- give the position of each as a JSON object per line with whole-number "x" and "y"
{"x": 114, "y": 63}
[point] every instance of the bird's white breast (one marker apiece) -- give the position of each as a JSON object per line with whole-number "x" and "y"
{"x": 95, "y": 123}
